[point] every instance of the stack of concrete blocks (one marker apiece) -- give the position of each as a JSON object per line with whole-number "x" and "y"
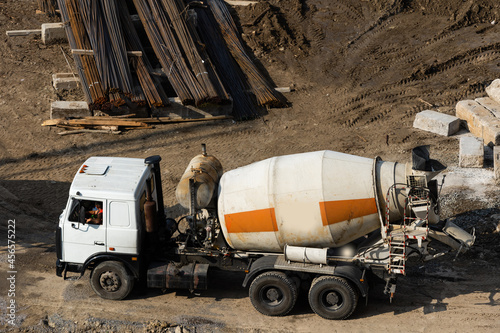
{"x": 482, "y": 116}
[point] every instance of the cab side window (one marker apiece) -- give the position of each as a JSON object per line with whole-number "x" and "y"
{"x": 86, "y": 211}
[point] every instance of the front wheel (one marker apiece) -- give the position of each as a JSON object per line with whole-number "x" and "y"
{"x": 273, "y": 293}
{"x": 111, "y": 280}
{"x": 332, "y": 297}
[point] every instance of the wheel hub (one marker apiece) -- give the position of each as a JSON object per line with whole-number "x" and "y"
{"x": 110, "y": 281}
{"x": 272, "y": 294}
{"x": 332, "y": 298}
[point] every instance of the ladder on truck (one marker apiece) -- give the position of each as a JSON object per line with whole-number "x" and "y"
{"x": 415, "y": 226}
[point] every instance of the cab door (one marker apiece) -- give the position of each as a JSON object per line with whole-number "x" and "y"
{"x": 84, "y": 230}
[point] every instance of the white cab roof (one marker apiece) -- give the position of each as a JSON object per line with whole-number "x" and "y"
{"x": 110, "y": 178}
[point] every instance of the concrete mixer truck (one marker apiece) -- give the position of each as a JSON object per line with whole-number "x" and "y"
{"x": 325, "y": 222}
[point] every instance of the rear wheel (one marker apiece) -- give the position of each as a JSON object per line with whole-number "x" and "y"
{"x": 273, "y": 293}
{"x": 332, "y": 297}
{"x": 111, "y": 280}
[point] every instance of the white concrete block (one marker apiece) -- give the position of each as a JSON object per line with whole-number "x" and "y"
{"x": 496, "y": 162}
{"x": 480, "y": 121}
{"x": 493, "y": 90}
{"x": 52, "y": 32}
{"x": 490, "y": 104}
{"x": 65, "y": 81}
{"x": 436, "y": 122}
{"x": 64, "y": 109}
{"x": 471, "y": 152}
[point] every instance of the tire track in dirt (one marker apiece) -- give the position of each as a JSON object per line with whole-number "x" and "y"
{"x": 406, "y": 55}
{"x": 349, "y": 10}
{"x": 365, "y": 38}
{"x": 419, "y": 77}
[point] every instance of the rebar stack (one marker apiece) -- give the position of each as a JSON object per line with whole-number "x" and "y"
{"x": 153, "y": 91}
{"x": 108, "y": 46}
{"x": 231, "y": 75}
{"x": 91, "y": 78}
{"x": 265, "y": 94}
{"x": 190, "y": 41}
{"x": 47, "y": 6}
{"x": 197, "y": 59}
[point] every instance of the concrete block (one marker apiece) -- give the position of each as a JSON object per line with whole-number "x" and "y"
{"x": 496, "y": 162}
{"x": 436, "y": 122}
{"x": 480, "y": 121}
{"x": 65, "y": 109}
{"x": 490, "y": 104}
{"x": 493, "y": 90}
{"x": 65, "y": 81}
{"x": 52, "y": 32}
{"x": 471, "y": 152}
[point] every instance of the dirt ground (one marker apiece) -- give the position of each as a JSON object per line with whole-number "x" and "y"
{"x": 360, "y": 70}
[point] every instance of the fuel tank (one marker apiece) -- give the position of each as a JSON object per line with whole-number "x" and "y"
{"x": 317, "y": 199}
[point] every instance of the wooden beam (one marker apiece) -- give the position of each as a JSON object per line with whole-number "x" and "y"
{"x": 88, "y": 131}
{"x": 91, "y": 52}
{"x": 168, "y": 120}
{"x": 283, "y": 89}
{"x": 240, "y": 3}
{"x": 13, "y": 33}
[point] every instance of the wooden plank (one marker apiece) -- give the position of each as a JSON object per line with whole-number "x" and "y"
{"x": 88, "y": 131}
{"x": 106, "y": 122}
{"x": 283, "y": 89}
{"x": 131, "y": 123}
{"x": 94, "y": 122}
{"x": 167, "y": 120}
{"x": 91, "y": 52}
{"x": 240, "y": 3}
{"x": 52, "y": 122}
{"x": 13, "y": 33}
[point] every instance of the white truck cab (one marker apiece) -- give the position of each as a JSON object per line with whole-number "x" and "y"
{"x": 104, "y": 217}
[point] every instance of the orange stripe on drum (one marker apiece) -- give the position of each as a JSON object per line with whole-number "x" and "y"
{"x": 262, "y": 220}
{"x": 343, "y": 210}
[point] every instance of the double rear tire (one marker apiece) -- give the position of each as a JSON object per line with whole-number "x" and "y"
{"x": 273, "y": 293}
{"x": 332, "y": 297}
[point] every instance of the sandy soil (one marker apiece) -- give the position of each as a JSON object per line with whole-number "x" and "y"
{"x": 361, "y": 71}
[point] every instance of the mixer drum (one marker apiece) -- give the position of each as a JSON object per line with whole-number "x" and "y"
{"x": 318, "y": 199}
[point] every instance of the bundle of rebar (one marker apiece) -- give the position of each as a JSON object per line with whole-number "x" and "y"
{"x": 189, "y": 43}
{"x": 231, "y": 75}
{"x": 90, "y": 75}
{"x": 265, "y": 94}
{"x": 153, "y": 91}
{"x": 103, "y": 29}
{"x": 163, "y": 41}
{"x": 198, "y": 48}
{"x": 48, "y": 7}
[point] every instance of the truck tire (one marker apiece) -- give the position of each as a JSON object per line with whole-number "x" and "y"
{"x": 332, "y": 297}
{"x": 111, "y": 280}
{"x": 273, "y": 293}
